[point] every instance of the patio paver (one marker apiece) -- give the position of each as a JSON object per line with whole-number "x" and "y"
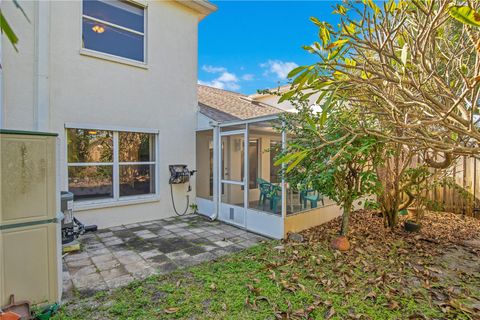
{"x": 115, "y": 256}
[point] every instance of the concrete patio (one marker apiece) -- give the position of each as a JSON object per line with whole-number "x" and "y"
{"x": 113, "y": 257}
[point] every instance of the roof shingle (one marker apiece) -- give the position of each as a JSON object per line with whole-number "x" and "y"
{"x": 222, "y": 105}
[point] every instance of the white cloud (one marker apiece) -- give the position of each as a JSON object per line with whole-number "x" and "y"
{"x": 226, "y": 80}
{"x": 278, "y": 67}
{"x": 227, "y": 77}
{"x": 213, "y": 69}
{"x": 248, "y": 77}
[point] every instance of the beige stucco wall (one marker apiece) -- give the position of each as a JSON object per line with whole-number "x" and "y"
{"x": 84, "y": 89}
{"x": 284, "y": 105}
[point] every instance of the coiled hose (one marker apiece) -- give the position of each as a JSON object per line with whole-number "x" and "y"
{"x": 173, "y": 201}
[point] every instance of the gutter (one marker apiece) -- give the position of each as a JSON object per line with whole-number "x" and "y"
{"x": 203, "y": 7}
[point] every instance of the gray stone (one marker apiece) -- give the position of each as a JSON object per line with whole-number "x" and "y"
{"x": 102, "y": 258}
{"x": 87, "y": 281}
{"x": 295, "y": 237}
{"x": 166, "y": 267}
{"x": 82, "y": 272}
{"x": 76, "y": 256}
{"x": 121, "y": 253}
{"x": 98, "y": 252}
{"x": 177, "y": 255}
{"x": 104, "y": 235}
{"x": 120, "y": 281}
{"x": 113, "y": 242}
{"x": 136, "y": 267}
{"x": 222, "y": 243}
{"x": 207, "y": 247}
{"x": 112, "y": 274}
{"x": 151, "y": 253}
{"x": 79, "y": 263}
{"x": 107, "y": 265}
{"x": 130, "y": 258}
{"x": 118, "y": 228}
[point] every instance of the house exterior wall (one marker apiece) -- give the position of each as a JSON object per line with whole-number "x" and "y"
{"x": 81, "y": 89}
{"x": 284, "y": 105}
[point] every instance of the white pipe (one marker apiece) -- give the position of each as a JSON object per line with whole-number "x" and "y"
{"x": 217, "y": 153}
{"x": 246, "y": 175}
{"x": 1, "y": 81}
{"x": 42, "y": 61}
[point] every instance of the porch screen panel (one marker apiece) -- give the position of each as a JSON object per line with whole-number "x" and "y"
{"x": 264, "y": 193}
{"x": 204, "y": 165}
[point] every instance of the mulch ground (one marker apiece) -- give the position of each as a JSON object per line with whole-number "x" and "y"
{"x": 443, "y": 258}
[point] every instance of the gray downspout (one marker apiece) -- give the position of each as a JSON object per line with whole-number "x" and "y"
{"x": 1, "y": 81}
{"x": 42, "y": 66}
{"x": 217, "y": 152}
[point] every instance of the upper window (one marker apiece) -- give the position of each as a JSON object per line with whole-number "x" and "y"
{"x": 110, "y": 165}
{"x": 114, "y": 27}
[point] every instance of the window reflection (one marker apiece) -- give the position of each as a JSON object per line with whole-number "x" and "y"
{"x": 91, "y": 182}
{"x": 89, "y": 145}
{"x": 136, "y": 180}
{"x": 136, "y": 147}
{"x": 113, "y": 41}
{"x": 117, "y": 12}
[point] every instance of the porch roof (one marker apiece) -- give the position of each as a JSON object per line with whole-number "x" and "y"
{"x": 225, "y": 106}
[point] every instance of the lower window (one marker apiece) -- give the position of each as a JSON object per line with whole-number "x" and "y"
{"x": 108, "y": 165}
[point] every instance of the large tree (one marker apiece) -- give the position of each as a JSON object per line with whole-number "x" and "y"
{"x": 410, "y": 68}
{"x": 409, "y": 64}
{"x": 324, "y": 156}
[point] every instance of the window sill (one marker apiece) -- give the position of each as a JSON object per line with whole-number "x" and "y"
{"x": 100, "y": 204}
{"x": 109, "y": 57}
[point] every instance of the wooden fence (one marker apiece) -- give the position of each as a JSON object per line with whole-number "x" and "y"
{"x": 464, "y": 196}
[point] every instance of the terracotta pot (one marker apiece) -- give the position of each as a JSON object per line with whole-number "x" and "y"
{"x": 341, "y": 243}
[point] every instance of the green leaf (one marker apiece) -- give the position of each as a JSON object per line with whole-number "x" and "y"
{"x": 340, "y": 10}
{"x": 287, "y": 158}
{"x": 338, "y": 43}
{"x": 391, "y": 6}
{"x": 306, "y": 96}
{"x": 372, "y": 5}
{"x": 465, "y": 15}
{"x": 350, "y": 29}
{"x": 296, "y": 71}
{"x": 5, "y": 28}
{"x": 324, "y": 35}
{"x": 287, "y": 95}
{"x": 316, "y": 21}
{"x": 301, "y": 155}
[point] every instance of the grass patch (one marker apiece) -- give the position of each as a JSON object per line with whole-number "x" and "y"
{"x": 262, "y": 283}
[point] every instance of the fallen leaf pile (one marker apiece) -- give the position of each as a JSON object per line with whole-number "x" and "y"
{"x": 396, "y": 264}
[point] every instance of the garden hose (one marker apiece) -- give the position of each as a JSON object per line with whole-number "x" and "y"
{"x": 173, "y": 201}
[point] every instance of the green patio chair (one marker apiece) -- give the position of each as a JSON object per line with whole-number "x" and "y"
{"x": 275, "y": 197}
{"x": 263, "y": 186}
{"x": 312, "y": 196}
{"x": 269, "y": 191}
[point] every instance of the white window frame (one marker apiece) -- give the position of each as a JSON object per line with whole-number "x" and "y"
{"x": 116, "y": 200}
{"x": 112, "y": 57}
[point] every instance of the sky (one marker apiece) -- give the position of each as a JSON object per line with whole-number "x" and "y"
{"x": 249, "y": 45}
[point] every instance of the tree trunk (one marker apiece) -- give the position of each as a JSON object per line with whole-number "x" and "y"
{"x": 345, "y": 218}
{"x": 391, "y": 217}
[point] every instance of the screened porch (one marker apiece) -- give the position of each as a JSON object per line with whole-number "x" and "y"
{"x": 238, "y": 182}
